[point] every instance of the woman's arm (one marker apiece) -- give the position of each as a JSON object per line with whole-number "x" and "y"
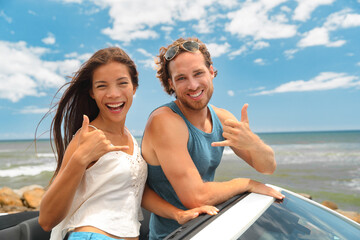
{"x": 85, "y": 148}
{"x": 152, "y": 202}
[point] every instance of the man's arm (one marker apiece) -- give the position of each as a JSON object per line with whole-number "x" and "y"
{"x": 165, "y": 139}
{"x": 244, "y": 142}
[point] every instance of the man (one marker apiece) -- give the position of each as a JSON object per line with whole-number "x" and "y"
{"x": 184, "y": 140}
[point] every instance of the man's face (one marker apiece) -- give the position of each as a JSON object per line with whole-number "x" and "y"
{"x": 191, "y": 80}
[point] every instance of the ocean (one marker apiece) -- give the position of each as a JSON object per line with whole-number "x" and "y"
{"x": 325, "y": 165}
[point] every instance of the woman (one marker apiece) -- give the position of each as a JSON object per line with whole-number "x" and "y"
{"x": 98, "y": 184}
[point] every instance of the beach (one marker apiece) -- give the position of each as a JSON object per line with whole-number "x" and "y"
{"x": 325, "y": 165}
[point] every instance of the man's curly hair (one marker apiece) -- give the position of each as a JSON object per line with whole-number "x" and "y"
{"x": 163, "y": 65}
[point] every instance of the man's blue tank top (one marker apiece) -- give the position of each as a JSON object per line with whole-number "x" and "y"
{"x": 206, "y": 159}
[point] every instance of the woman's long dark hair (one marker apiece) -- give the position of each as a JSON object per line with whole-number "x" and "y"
{"x": 76, "y": 100}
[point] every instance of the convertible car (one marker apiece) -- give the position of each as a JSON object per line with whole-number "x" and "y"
{"x": 246, "y": 216}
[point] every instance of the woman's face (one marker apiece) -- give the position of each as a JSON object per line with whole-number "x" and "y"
{"x": 113, "y": 91}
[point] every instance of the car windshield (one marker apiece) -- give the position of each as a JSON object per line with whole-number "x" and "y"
{"x": 295, "y": 218}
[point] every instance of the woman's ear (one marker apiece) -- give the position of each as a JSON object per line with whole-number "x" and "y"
{"x": 91, "y": 93}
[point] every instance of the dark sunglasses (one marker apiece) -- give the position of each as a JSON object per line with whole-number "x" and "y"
{"x": 189, "y": 46}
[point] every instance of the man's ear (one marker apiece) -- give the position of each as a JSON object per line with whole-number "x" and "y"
{"x": 211, "y": 70}
{"x": 170, "y": 83}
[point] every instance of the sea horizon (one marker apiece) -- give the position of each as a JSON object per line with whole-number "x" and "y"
{"x": 260, "y": 133}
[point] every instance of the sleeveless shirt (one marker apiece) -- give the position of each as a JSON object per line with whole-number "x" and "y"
{"x": 109, "y": 196}
{"x": 206, "y": 159}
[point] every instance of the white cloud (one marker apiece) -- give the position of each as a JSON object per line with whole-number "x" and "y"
{"x": 257, "y": 20}
{"x": 148, "y": 63}
{"x": 72, "y": 1}
{"x": 75, "y": 55}
{"x": 259, "y": 61}
{"x": 216, "y": 50}
{"x": 203, "y": 26}
{"x": 167, "y": 29}
{"x": 144, "y": 52}
{"x": 231, "y": 93}
{"x": 321, "y": 35}
{"x": 343, "y": 19}
{"x": 32, "y": 13}
{"x": 260, "y": 45}
{"x": 306, "y": 7}
{"x": 289, "y": 54}
{"x": 209, "y": 23}
{"x": 33, "y": 110}
{"x": 285, "y": 9}
{"x": 324, "y": 81}
{"x": 7, "y": 18}
{"x": 128, "y": 24}
{"x": 238, "y": 52}
{"x": 50, "y": 39}
{"x": 248, "y": 46}
{"x": 358, "y": 64}
{"x": 23, "y": 72}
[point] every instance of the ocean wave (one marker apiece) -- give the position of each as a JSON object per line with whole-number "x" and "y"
{"x": 228, "y": 151}
{"x": 45, "y": 155}
{"x": 353, "y": 184}
{"x": 6, "y": 150}
{"x": 29, "y": 170}
{"x": 300, "y": 154}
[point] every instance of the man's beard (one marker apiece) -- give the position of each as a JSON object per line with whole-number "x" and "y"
{"x": 197, "y": 105}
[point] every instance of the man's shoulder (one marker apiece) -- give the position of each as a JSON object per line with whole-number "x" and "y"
{"x": 164, "y": 127}
{"x": 222, "y": 113}
{"x": 162, "y": 113}
{"x": 164, "y": 117}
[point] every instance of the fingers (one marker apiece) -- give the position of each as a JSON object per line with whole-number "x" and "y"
{"x": 244, "y": 115}
{"x": 211, "y": 210}
{"x": 261, "y": 188}
{"x": 119, "y": 148}
{"x": 274, "y": 193}
{"x": 277, "y": 194}
{"x": 221, "y": 144}
{"x": 195, "y": 212}
{"x": 230, "y": 123}
{"x": 85, "y": 124}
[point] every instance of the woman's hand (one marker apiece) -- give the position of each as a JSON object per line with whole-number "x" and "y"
{"x": 94, "y": 144}
{"x": 185, "y": 216}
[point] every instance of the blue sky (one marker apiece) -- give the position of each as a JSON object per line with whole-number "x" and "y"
{"x": 297, "y": 63}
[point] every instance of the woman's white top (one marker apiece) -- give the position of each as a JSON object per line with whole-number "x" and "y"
{"x": 109, "y": 196}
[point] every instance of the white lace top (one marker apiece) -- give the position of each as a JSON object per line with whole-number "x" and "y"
{"x": 109, "y": 196}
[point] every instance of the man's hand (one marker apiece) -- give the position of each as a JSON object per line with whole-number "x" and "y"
{"x": 257, "y": 187}
{"x": 237, "y": 134}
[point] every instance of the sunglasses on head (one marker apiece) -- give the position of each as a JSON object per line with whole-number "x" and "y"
{"x": 190, "y": 46}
